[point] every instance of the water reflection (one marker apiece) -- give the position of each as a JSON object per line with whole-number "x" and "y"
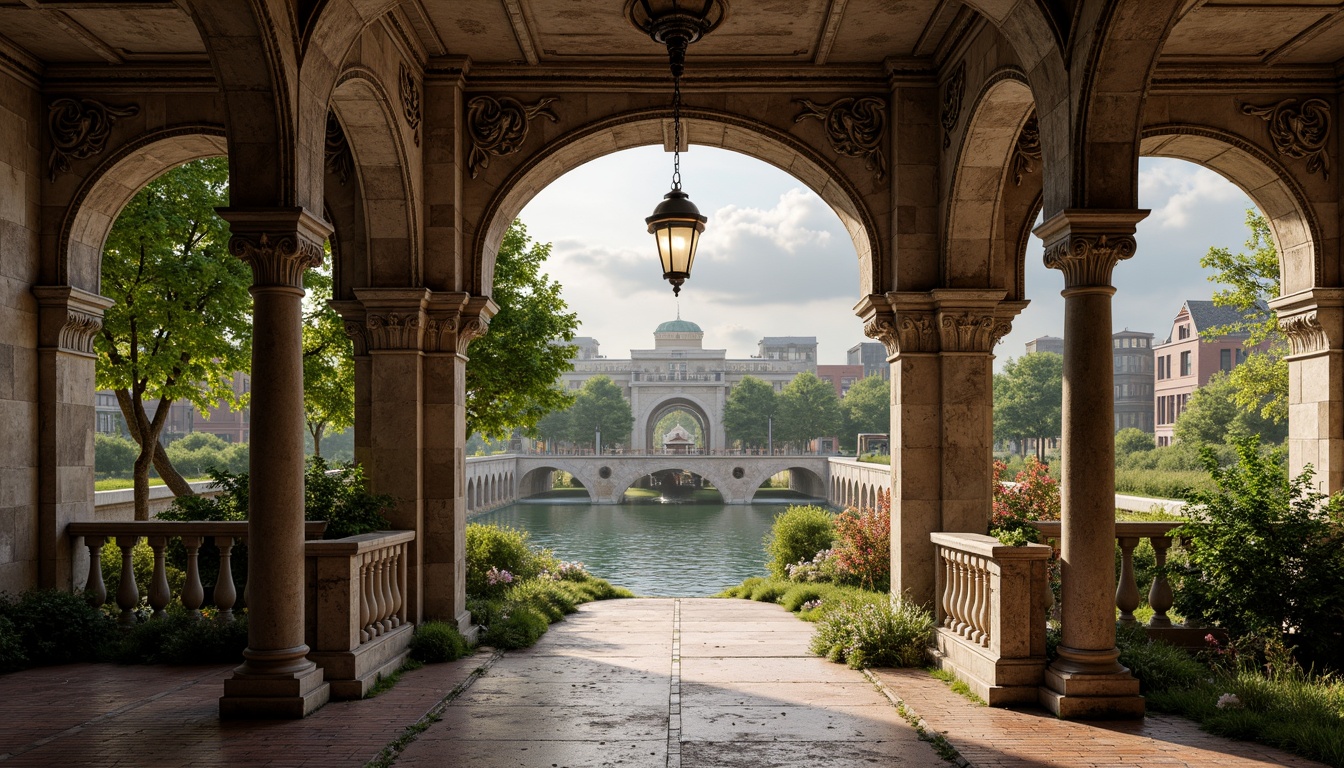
{"x": 661, "y": 550}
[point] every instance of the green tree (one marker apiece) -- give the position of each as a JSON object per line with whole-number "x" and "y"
{"x": 328, "y": 363}
{"x": 1029, "y": 397}
{"x": 1212, "y": 416}
{"x": 1130, "y": 440}
{"x": 1252, "y": 280}
{"x": 746, "y": 415}
{"x": 867, "y": 408}
{"x": 513, "y": 369}
{"x": 599, "y": 405}
{"x": 113, "y": 455}
{"x": 808, "y": 408}
{"x": 554, "y": 427}
{"x": 181, "y": 324}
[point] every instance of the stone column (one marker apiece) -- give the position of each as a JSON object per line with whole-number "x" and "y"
{"x": 1087, "y": 680}
{"x": 276, "y": 679}
{"x": 68, "y": 320}
{"x": 352, "y": 314}
{"x": 454, "y": 319}
{"x": 1313, "y": 321}
{"x": 393, "y": 334}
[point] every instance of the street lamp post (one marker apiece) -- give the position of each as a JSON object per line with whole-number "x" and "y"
{"x": 770, "y": 435}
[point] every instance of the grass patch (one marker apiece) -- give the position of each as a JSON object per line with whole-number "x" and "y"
{"x": 876, "y": 458}
{"x": 1162, "y": 483}
{"x": 387, "y": 682}
{"x": 958, "y": 687}
{"x": 123, "y": 483}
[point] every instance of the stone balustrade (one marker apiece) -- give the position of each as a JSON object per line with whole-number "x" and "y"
{"x": 991, "y": 604}
{"x": 1161, "y": 598}
{"x": 357, "y": 627}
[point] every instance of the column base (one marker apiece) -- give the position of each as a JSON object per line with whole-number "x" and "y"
{"x": 274, "y": 697}
{"x": 1091, "y": 696}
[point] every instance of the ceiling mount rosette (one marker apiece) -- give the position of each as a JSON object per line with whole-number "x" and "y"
{"x": 676, "y": 23}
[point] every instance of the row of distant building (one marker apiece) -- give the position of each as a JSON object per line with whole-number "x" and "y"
{"x": 1154, "y": 381}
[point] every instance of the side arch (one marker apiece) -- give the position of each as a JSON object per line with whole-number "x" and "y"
{"x": 1296, "y": 227}
{"x": 707, "y": 128}
{"x": 107, "y": 190}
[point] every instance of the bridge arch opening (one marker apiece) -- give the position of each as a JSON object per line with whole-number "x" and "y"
{"x": 553, "y": 484}
{"x": 791, "y": 485}
{"x": 672, "y": 486}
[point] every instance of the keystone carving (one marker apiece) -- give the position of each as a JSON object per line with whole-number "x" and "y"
{"x": 952, "y": 98}
{"x": 498, "y": 126}
{"x": 1305, "y": 333}
{"x": 277, "y": 261}
{"x": 1088, "y": 260}
{"x": 1298, "y": 131}
{"x": 79, "y": 129}
{"x": 855, "y": 127}
{"x": 393, "y": 330}
{"x": 410, "y": 101}
{"x": 1027, "y": 151}
{"x": 340, "y": 160}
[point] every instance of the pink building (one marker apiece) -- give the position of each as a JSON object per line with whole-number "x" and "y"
{"x": 1188, "y": 358}
{"x": 842, "y": 377}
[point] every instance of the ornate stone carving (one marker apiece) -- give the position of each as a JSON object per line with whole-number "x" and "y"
{"x": 78, "y": 332}
{"x": 917, "y": 333}
{"x": 354, "y": 330}
{"x": 473, "y": 328}
{"x": 1027, "y": 151}
{"x": 883, "y": 328}
{"x": 1305, "y": 333}
{"x": 1088, "y": 260}
{"x": 953, "y": 93}
{"x": 855, "y": 127}
{"x": 969, "y": 331}
{"x": 498, "y": 126}
{"x": 278, "y": 260}
{"x": 340, "y": 160}
{"x": 410, "y": 101}
{"x": 1298, "y": 131}
{"x": 80, "y": 128}
{"x": 441, "y": 334}
{"x": 69, "y": 318}
{"x": 393, "y": 330}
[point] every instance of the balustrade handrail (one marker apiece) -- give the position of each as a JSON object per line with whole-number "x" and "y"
{"x": 174, "y": 528}
{"x": 1140, "y": 529}
{"x": 356, "y": 545}
{"x": 988, "y": 546}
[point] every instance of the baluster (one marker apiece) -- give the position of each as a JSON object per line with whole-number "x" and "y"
{"x": 388, "y": 577}
{"x": 981, "y": 599}
{"x": 394, "y": 582}
{"x": 1127, "y": 591}
{"x": 379, "y": 596}
{"x": 226, "y": 594}
{"x": 128, "y": 595}
{"x": 1159, "y": 595}
{"x": 158, "y": 586}
{"x": 364, "y": 634}
{"x": 983, "y": 621}
{"x": 401, "y": 582}
{"x": 95, "y": 591}
{"x": 954, "y": 598}
{"x": 193, "y": 594}
{"x": 964, "y": 595}
{"x": 945, "y": 596}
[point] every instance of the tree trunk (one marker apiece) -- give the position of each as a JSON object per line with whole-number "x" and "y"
{"x": 316, "y": 431}
{"x": 140, "y": 481}
{"x": 171, "y": 477}
{"x": 145, "y": 432}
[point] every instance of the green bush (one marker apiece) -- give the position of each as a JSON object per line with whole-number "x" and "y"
{"x": 1130, "y": 440}
{"x": 179, "y": 638}
{"x": 798, "y": 594}
{"x": 861, "y": 634}
{"x": 1161, "y": 484}
{"x": 797, "y": 534}
{"x": 548, "y": 597}
{"x": 142, "y": 561}
{"x": 1159, "y": 666}
{"x": 57, "y": 627}
{"x": 435, "y": 642}
{"x": 1266, "y": 557}
{"x": 12, "y": 656}
{"x": 195, "y": 441}
{"x": 519, "y": 625}
{"x": 770, "y": 591}
{"x": 497, "y": 556}
{"x": 113, "y": 455}
{"x": 342, "y": 498}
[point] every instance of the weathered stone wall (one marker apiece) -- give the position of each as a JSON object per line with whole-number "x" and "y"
{"x": 20, "y": 119}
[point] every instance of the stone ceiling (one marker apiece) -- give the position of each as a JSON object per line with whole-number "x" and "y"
{"x": 756, "y": 32}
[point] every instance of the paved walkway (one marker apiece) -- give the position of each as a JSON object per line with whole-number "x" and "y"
{"x": 694, "y": 682}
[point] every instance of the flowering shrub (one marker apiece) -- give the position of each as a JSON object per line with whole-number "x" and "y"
{"x": 495, "y": 577}
{"x": 797, "y": 534}
{"x": 1228, "y": 701}
{"x": 810, "y": 605}
{"x": 863, "y": 634}
{"x": 566, "y": 571}
{"x": 820, "y": 568}
{"x": 863, "y": 548}
{"x": 1035, "y": 496}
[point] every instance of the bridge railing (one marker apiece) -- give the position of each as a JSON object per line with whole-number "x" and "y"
{"x": 779, "y": 452}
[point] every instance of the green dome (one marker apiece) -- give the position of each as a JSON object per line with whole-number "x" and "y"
{"x": 678, "y": 326}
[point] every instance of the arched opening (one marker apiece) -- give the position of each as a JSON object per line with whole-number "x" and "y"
{"x": 672, "y": 486}
{"x": 792, "y": 485}
{"x": 660, "y": 422}
{"x": 552, "y": 485}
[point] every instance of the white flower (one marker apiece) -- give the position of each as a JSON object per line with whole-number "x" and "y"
{"x": 1229, "y": 701}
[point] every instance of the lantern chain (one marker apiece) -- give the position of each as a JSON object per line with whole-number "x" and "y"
{"x": 676, "y": 132}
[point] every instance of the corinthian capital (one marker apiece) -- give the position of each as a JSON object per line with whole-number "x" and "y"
{"x": 280, "y": 244}
{"x": 455, "y": 319}
{"x": 1313, "y": 320}
{"x": 1086, "y": 244}
{"x": 69, "y": 318}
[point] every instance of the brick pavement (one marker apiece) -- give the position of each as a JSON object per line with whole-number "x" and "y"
{"x": 694, "y": 683}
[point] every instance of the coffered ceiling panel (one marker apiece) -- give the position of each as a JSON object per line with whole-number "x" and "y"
{"x": 1299, "y": 32}
{"x": 143, "y": 31}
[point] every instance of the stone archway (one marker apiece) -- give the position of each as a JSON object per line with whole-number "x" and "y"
{"x": 648, "y": 419}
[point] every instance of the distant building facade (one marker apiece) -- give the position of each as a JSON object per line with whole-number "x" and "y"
{"x": 1046, "y": 344}
{"x": 872, "y": 355}
{"x": 842, "y": 377}
{"x": 680, "y": 374}
{"x": 231, "y": 426}
{"x": 1132, "y": 363}
{"x": 1189, "y": 358}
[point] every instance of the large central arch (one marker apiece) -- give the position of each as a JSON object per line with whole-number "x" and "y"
{"x": 650, "y": 416}
{"x": 705, "y": 128}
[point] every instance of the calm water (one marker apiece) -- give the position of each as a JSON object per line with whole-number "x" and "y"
{"x": 662, "y": 550}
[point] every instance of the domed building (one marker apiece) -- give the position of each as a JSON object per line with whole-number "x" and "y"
{"x": 679, "y": 374}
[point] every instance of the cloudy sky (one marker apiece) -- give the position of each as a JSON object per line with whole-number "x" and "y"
{"x": 775, "y": 260}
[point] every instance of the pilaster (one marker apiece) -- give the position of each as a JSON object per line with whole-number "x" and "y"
{"x": 68, "y": 320}
{"x": 276, "y": 679}
{"x": 1313, "y": 322}
{"x": 1087, "y": 680}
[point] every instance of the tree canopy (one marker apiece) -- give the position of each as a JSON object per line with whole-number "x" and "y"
{"x": 1252, "y": 280}
{"x": 1029, "y": 397}
{"x": 808, "y": 408}
{"x": 328, "y": 363}
{"x": 181, "y": 324}
{"x": 867, "y": 408}
{"x": 747, "y": 413}
{"x": 513, "y": 368}
{"x": 599, "y": 404}
{"x": 1212, "y": 416}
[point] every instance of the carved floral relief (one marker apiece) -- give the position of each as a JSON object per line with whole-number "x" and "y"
{"x": 953, "y": 94}
{"x": 498, "y": 127}
{"x": 410, "y": 101}
{"x": 1027, "y": 150}
{"x": 1298, "y": 131}
{"x": 79, "y": 129}
{"x": 855, "y": 127}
